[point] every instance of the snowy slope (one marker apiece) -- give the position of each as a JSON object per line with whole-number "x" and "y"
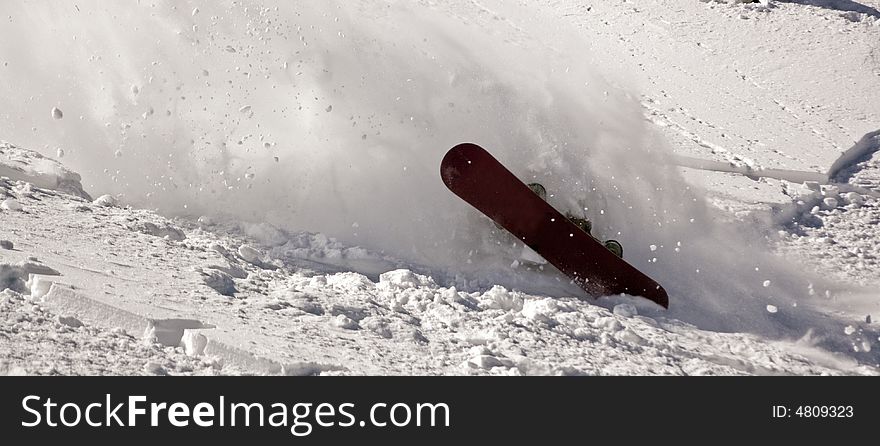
{"x": 309, "y": 140}
{"x": 277, "y": 315}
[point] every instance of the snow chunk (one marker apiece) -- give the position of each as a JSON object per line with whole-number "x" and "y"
{"x": 32, "y": 167}
{"x": 219, "y": 281}
{"x": 813, "y": 186}
{"x": 625, "y": 310}
{"x": 164, "y": 231}
{"x": 418, "y": 337}
{"x": 772, "y": 309}
{"x": 350, "y": 281}
{"x": 541, "y": 310}
{"x": 854, "y": 199}
{"x": 631, "y": 337}
{"x": 377, "y": 325}
{"x": 25, "y": 190}
{"x": 405, "y": 279}
{"x": 266, "y": 234}
{"x": 306, "y": 304}
{"x": 39, "y": 285}
{"x": 10, "y": 204}
{"x": 343, "y": 321}
{"x": 486, "y": 362}
{"x": 18, "y": 276}
{"x": 154, "y": 368}
{"x": 831, "y": 191}
{"x": 609, "y": 324}
{"x": 6, "y": 244}
{"x": 852, "y": 16}
{"x": 498, "y": 298}
{"x": 249, "y": 254}
{"x": 70, "y": 321}
{"x": 830, "y": 203}
{"x": 106, "y": 201}
{"x": 57, "y": 113}
{"x": 193, "y": 343}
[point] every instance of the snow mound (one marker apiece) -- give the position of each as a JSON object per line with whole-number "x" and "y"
{"x": 21, "y": 164}
{"x": 402, "y": 279}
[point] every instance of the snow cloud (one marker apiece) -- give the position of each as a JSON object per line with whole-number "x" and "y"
{"x": 333, "y": 117}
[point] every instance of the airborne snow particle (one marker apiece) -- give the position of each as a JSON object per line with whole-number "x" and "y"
{"x": 56, "y": 113}
{"x": 60, "y": 152}
{"x": 245, "y": 109}
{"x": 329, "y": 109}
{"x": 653, "y": 247}
{"x": 195, "y": 11}
{"x": 772, "y": 309}
{"x": 118, "y": 154}
{"x": 766, "y": 284}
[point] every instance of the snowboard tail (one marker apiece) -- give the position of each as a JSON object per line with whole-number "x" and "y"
{"x": 474, "y": 175}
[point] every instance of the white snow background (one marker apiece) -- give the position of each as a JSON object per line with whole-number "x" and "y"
{"x": 332, "y": 118}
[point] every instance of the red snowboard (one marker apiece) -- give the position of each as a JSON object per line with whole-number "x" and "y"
{"x": 477, "y": 177}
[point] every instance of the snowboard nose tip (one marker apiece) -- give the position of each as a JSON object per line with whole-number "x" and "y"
{"x": 662, "y": 298}
{"x": 455, "y": 159}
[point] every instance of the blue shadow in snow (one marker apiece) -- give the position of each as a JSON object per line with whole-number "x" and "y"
{"x": 838, "y": 5}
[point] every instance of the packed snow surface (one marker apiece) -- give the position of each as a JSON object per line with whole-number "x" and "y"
{"x": 269, "y": 198}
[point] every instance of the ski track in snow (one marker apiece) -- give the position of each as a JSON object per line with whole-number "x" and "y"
{"x": 93, "y": 287}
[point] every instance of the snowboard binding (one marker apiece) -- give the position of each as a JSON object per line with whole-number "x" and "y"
{"x": 583, "y": 223}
